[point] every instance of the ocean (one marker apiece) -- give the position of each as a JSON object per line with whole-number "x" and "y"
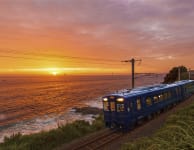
{"x": 32, "y": 104}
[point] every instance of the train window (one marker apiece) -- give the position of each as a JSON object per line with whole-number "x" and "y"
{"x": 161, "y": 97}
{"x": 112, "y": 106}
{"x": 138, "y": 104}
{"x": 120, "y": 107}
{"x": 130, "y": 106}
{"x": 169, "y": 94}
{"x": 177, "y": 92}
{"x": 106, "y": 106}
{"x": 165, "y": 96}
{"x": 155, "y": 99}
{"x": 148, "y": 101}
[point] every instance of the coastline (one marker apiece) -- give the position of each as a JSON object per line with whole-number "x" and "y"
{"x": 87, "y": 113}
{"x": 53, "y": 138}
{"x": 41, "y": 104}
{"x": 64, "y": 135}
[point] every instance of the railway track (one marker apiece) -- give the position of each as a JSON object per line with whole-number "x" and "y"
{"x": 117, "y": 138}
{"x": 106, "y": 137}
{"x": 99, "y": 141}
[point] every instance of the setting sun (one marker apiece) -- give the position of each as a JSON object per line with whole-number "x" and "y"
{"x": 62, "y": 62}
{"x": 54, "y": 73}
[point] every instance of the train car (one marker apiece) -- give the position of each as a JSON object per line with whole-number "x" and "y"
{"x": 126, "y": 108}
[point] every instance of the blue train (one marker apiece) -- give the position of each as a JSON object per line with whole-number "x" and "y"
{"x": 126, "y": 108}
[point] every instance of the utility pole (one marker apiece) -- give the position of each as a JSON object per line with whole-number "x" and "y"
{"x": 179, "y": 73}
{"x": 189, "y": 73}
{"x": 132, "y": 61}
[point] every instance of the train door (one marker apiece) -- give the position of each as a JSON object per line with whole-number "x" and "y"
{"x": 106, "y": 110}
{"x": 130, "y": 108}
{"x": 192, "y": 87}
{"x": 177, "y": 93}
{"x": 180, "y": 93}
{"x": 138, "y": 108}
{"x": 112, "y": 108}
{"x": 184, "y": 91}
{"x": 130, "y": 112}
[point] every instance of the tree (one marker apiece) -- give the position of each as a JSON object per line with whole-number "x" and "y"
{"x": 172, "y": 76}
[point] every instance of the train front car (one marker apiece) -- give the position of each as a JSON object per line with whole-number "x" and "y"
{"x": 115, "y": 111}
{"x": 126, "y": 108}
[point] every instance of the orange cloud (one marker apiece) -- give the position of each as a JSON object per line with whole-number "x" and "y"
{"x": 160, "y": 32}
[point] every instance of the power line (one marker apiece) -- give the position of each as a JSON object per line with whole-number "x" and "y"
{"x": 42, "y": 55}
{"x": 39, "y": 57}
{"x": 29, "y": 58}
{"x": 11, "y": 51}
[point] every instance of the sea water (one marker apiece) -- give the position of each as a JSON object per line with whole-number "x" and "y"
{"x": 32, "y": 104}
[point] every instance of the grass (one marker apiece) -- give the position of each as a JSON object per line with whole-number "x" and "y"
{"x": 176, "y": 134}
{"x": 52, "y": 139}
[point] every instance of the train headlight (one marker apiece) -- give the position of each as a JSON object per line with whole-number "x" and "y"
{"x": 120, "y": 99}
{"x": 105, "y": 99}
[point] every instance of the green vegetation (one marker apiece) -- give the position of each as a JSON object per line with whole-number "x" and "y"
{"x": 172, "y": 76}
{"x": 177, "y": 133}
{"x": 52, "y": 139}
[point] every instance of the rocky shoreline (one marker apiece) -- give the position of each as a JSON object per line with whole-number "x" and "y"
{"x": 88, "y": 110}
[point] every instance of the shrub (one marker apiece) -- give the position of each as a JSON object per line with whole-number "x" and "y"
{"x": 53, "y": 138}
{"x": 172, "y": 76}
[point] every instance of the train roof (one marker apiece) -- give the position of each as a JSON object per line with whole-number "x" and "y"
{"x": 146, "y": 89}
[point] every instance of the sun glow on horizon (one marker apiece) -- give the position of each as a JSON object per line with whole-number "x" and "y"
{"x": 63, "y": 71}
{"x": 54, "y": 73}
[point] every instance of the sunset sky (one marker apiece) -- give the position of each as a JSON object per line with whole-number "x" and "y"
{"x": 93, "y": 36}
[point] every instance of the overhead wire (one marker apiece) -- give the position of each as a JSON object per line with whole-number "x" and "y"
{"x": 28, "y": 56}
{"x": 15, "y": 54}
{"x": 11, "y": 51}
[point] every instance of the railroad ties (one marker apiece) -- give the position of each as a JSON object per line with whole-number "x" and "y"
{"x": 99, "y": 141}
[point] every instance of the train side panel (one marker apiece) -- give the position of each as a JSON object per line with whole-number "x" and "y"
{"x": 125, "y": 112}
